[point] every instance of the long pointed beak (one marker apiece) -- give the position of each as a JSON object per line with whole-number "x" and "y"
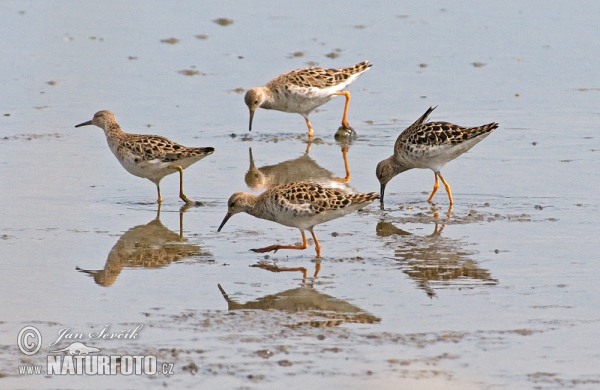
{"x": 227, "y": 216}
{"x": 84, "y": 124}
{"x": 251, "y": 116}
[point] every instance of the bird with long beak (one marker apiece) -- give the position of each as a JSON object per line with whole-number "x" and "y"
{"x": 302, "y": 90}
{"x": 151, "y": 157}
{"x": 301, "y": 205}
{"x": 430, "y": 145}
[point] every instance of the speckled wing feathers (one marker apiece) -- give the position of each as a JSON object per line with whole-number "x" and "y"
{"x": 440, "y": 133}
{"x": 152, "y": 147}
{"x": 311, "y": 198}
{"x": 318, "y": 77}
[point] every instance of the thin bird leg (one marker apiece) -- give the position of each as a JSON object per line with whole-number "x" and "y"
{"x": 344, "y": 118}
{"x": 275, "y": 248}
{"x": 274, "y": 268}
{"x": 159, "y": 200}
{"x": 311, "y": 133}
{"x": 181, "y": 194}
{"x": 435, "y": 188}
{"x": 345, "y": 156}
{"x": 447, "y": 189}
{"x": 317, "y": 246}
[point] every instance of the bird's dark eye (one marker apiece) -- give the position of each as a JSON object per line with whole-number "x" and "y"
{"x": 231, "y": 204}
{"x": 256, "y": 102}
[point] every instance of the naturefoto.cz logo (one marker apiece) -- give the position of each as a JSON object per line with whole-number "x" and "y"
{"x": 78, "y": 358}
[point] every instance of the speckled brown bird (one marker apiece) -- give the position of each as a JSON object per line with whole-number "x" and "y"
{"x": 301, "y": 205}
{"x": 430, "y": 145}
{"x": 302, "y": 90}
{"x": 148, "y": 156}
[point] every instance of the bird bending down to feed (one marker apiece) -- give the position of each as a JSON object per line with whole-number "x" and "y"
{"x": 148, "y": 156}
{"x": 303, "y": 90}
{"x": 430, "y": 145}
{"x": 301, "y": 205}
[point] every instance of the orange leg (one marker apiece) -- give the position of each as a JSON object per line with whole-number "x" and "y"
{"x": 317, "y": 245}
{"x": 317, "y": 269}
{"x": 275, "y": 248}
{"x": 447, "y": 189}
{"x": 181, "y": 194}
{"x": 311, "y": 133}
{"x": 345, "y": 156}
{"x": 345, "y": 117}
{"x": 435, "y": 188}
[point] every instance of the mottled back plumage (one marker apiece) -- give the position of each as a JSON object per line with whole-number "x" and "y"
{"x": 431, "y": 134}
{"x": 308, "y": 198}
{"x": 318, "y": 77}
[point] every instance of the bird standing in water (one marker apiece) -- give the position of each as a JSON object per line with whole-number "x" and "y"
{"x": 303, "y": 90}
{"x": 301, "y": 205}
{"x": 148, "y": 156}
{"x": 430, "y": 145}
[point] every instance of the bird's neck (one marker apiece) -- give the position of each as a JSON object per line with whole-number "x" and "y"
{"x": 250, "y": 205}
{"x": 113, "y": 130}
{"x": 398, "y": 165}
{"x": 269, "y": 101}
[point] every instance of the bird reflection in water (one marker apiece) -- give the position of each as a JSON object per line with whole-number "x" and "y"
{"x": 145, "y": 246}
{"x": 433, "y": 261}
{"x": 303, "y": 168}
{"x": 322, "y": 309}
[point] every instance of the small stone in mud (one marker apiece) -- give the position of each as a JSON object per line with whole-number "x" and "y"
{"x": 223, "y": 21}
{"x": 192, "y": 368}
{"x": 334, "y": 54}
{"x": 131, "y": 58}
{"x": 284, "y": 363}
{"x": 239, "y": 90}
{"x": 190, "y": 72}
{"x": 170, "y": 41}
{"x": 335, "y": 234}
{"x": 202, "y": 36}
{"x": 233, "y": 135}
{"x": 6, "y": 114}
{"x": 534, "y": 143}
{"x": 422, "y": 65}
{"x": 264, "y": 353}
{"x": 320, "y": 337}
{"x": 478, "y": 64}
{"x": 51, "y": 82}
{"x": 496, "y": 251}
{"x": 298, "y": 54}
{"x": 538, "y": 207}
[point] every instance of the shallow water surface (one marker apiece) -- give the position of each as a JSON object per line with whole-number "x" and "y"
{"x": 497, "y": 293}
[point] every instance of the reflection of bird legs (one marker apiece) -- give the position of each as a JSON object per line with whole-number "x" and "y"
{"x": 304, "y": 245}
{"x": 181, "y": 194}
{"x": 274, "y": 268}
{"x": 345, "y": 124}
{"x": 159, "y": 200}
{"x": 308, "y": 145}
{"x": 437, "y": 185}
{"x": 345, "y": 156}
